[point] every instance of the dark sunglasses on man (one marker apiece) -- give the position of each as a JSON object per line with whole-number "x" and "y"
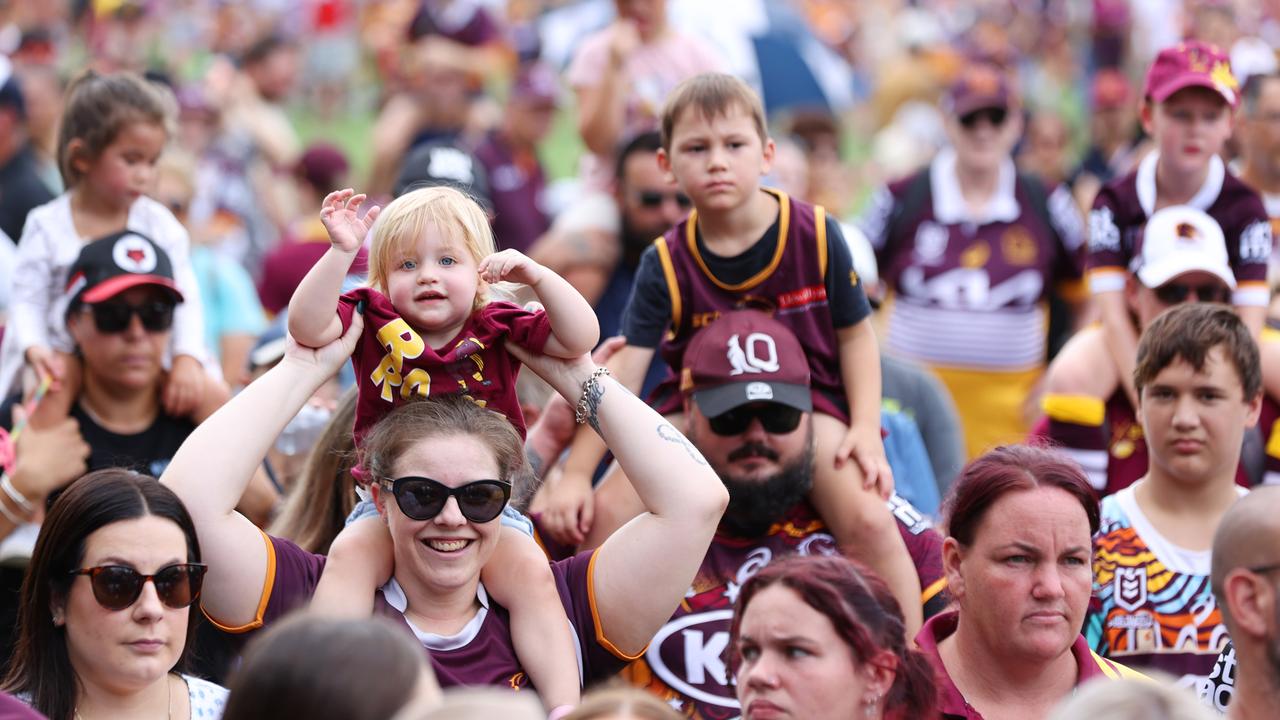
{"x": 996, "y": 116}
{"x": 117, "y": 587}
{"x": 114, "y": 316}
{"x": 775, "y": 418}
{"x": 1174, "y": 293}
{"x": 653, "y": 199}
{"x": 422, "y": 498}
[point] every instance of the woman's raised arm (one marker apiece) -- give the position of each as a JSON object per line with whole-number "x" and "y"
{"x": 643, "y": 570}
{"x": 214, "y": 464}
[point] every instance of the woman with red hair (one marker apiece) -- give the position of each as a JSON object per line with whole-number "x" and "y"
{"x": 1020, "y": 526}
{"x": 822, "y": 638}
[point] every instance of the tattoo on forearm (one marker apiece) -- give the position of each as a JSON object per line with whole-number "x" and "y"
{"x": 670, "y": 434}
{"x": 592, "y": 396}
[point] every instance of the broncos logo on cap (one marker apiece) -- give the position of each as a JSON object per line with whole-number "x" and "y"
{"x": 1187, "y": 231}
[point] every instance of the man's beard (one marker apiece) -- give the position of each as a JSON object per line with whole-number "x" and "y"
{"x": 755, "y": 505}
{"x": 634, "y": 241}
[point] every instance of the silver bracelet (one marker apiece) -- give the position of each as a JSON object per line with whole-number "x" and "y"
{"x": 18, "y": 498}
{"x": 580, "y": 413}
{"x": 4, "y": 510}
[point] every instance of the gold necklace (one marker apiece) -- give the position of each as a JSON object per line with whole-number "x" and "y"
{"x": 168, "y": 702}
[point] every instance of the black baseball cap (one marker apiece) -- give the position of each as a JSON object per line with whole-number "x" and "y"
{"x": 443, "y": 163}
{"x": 108, "y": 266}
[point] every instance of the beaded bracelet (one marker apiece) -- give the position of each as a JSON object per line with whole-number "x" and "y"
{"x": 580, "y": 414}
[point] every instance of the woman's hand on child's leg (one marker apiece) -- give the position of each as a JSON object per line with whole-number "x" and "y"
{"x": 183, "y": 388}
{"x": 511, "y": 266}
{"x": 866, "y": 447}
{"x": 340, "y": 214}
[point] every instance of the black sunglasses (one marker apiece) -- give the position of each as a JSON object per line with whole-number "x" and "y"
{"x": 996, "y": 116}
{"x": 776, "y": 419}
{"x": 652, "y": 199}
{"x": 423, "y": 498}
{"x": 1174, "y": 293}
{"x": 114, "y": 316}
{"x": 117, "y": 587}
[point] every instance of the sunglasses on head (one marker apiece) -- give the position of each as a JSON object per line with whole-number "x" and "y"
{"x": 995, "y": 116}
{"x": 777, "y": 419}
{"x": 117, "y": 587}
{"x": 1174, "y": 293}
{"x": 114, "y": 316}
{"x": 423, "y": 498}
{"x": 653, "y": 199}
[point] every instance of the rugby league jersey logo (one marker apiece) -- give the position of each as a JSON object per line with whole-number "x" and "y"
{"x": 1130, "y": 587}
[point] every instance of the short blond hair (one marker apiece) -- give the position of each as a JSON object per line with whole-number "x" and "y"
{"x": 712, "y": 95}
{"x": 454, "y": 214}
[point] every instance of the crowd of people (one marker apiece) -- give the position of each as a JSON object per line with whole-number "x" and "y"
{"x": 639, "y": 359}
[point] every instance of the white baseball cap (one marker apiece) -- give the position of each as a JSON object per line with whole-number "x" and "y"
{"x": 1179, "y": 240}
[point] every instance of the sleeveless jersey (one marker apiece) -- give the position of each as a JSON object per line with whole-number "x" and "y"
{"x": 791, "y": 288}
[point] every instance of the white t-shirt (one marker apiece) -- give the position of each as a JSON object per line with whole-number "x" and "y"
{"x": 48, "y": 248}
{"x": 208, "y": 700}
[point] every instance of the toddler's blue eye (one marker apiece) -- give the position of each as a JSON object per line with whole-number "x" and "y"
{"x": 409, "y": 264}
{"x": 446, "y": 261}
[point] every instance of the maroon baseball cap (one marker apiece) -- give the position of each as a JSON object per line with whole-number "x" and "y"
{"x": 978, "y": 87}
{"x": 1110, "y": 89}
{"x": 744, "y": 357}
{"x": 536, "y": 83}
{"x": 1192, "y": 64}
{"x": 323, "y": 166}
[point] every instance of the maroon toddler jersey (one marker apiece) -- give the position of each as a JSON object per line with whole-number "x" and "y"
{"x": 393, "y": 363}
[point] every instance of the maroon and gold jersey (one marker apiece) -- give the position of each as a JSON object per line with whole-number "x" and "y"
{"x": 792, "y": 288}
{"x": 686, "y": 662}
{"x": 1121, "y": 210}
{"x": 483, "y": 652}
{"x": 393, "y": 364}
{"x": 969, "y": 288}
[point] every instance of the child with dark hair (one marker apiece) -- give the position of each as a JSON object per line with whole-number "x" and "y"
{"x": 113, "y": 132}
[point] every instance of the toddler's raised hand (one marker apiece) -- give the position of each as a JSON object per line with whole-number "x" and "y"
{"x": 511, "y": 266}
{"x": 340, "y": 214}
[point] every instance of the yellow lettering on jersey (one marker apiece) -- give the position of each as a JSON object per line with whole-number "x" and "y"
{"x": 475, "y": 358}
{"x": 401, "y": 342}
{"x": 416, "y": 381}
